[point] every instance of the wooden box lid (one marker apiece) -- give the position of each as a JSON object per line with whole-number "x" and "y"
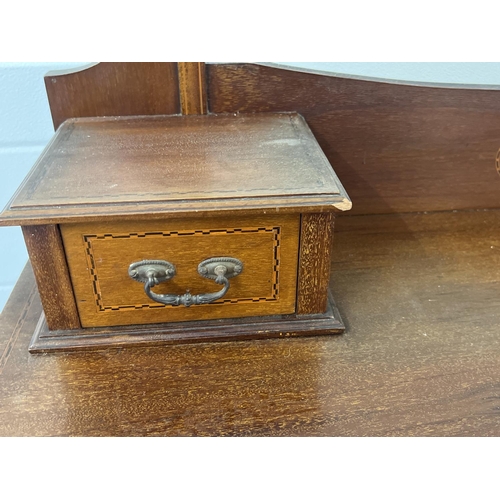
{"x": 160, "y": 166}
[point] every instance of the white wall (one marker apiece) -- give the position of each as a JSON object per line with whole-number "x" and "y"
{"x": 466, "y": 73}
{"x": 25, "y": 129}
{"x": 26, "y": 126}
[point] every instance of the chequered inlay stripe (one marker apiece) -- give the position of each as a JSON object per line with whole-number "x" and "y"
{"x": 200, "y": 232}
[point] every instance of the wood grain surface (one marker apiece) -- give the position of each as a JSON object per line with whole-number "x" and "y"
{"x": 113, "y": 89}
{"x": 48, "y": 260}
{"x": 102, "y": 167}
{"x": 316, "y": 239}
{"x": 395, "y": 147}
{"x": 420, "y": 356}
{"x": 99, "y": 256}
{"x": 419, "y": 292}
{"x": 192, "y": 88}
{"x": 177, "y": 333}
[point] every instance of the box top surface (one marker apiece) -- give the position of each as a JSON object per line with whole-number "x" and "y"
{"x": 173, "y": 164}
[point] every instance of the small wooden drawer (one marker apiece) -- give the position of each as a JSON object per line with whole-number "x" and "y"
{"x": 99, "y": 256}
{"x": 126, "y": 220}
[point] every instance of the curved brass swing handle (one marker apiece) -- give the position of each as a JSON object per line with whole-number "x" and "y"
{"x": 187, "y": 299}
{"x": 153, "y": 272}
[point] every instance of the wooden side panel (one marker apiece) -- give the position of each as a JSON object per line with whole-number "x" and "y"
{"x": 114, "y": 89}
{"x": 47, "y": 257}
{"x": 316, "y": 238}
{"x": 192, "y": 88}
{"x": 396, "y": 148}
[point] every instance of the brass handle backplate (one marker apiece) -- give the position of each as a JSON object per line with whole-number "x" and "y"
{"x": 153, "y": 272}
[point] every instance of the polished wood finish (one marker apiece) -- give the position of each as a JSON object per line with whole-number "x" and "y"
{"x": 164, "y": 166}
{"x": 396, "y": 147}
{"x": 420, "y": 356}
{"x": 316, "y": 240}
{"x": 112, "y": 183}
{"x": 99, "y": 256}
{"x": 253, "y": 328}
{"x": 113, "y": 89}
{"x": 48, "y": 259}
{"x": 192, "y": 87}
{"x": 419, "y": 291}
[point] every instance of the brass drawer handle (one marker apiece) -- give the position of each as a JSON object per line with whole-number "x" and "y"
{"x": 153, "y": 272}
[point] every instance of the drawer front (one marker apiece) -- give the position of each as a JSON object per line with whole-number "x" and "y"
{"x": 99, "y": 256}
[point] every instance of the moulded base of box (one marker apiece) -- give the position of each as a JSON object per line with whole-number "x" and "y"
{"x": 291, "y": 325}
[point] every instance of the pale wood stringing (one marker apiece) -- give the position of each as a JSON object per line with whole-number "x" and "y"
{"x": 192, "y": 88}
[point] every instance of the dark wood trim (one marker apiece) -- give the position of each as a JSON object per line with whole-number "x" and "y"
{"x": 47, "y": 257}
{"x": 173, "y": 209}
{"x": 316, "y": 238}
{"x": 45, "y": 340}
{"x": 192, "y": 88}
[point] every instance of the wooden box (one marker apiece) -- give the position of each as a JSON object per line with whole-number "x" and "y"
{"x": 180, "y": 228}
